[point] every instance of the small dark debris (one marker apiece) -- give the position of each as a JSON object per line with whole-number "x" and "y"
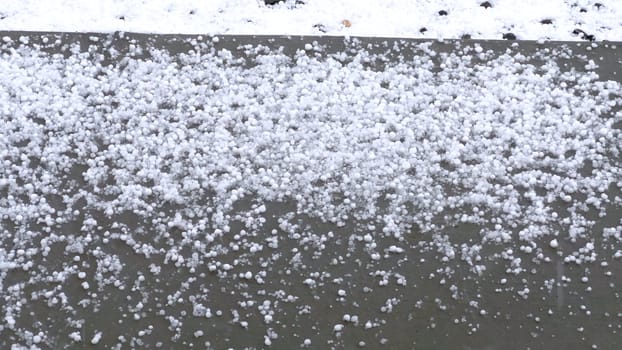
{"x": 509, "y": 36}
{"x": 598, "y": 5}
{"x": 570, "y": 153}
{"x": 442, "y": 13}
{"x": 583, "y": 9}
{"x": 39, "y": 121}
{"x": 546, "y": 21}
{"x": 584, "y": 35}
{"x": 272, "y": 2}
{"x": 486, "y": 5}
{"x": 320, "y": 27}
{"x": 465, "y": 36}
{"x": 191, "y": 12}
{"x": 423, "y": 30}
{"x": 122, "y": 18}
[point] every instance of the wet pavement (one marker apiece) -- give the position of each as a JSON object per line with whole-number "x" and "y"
{"x": 439, "y": 304}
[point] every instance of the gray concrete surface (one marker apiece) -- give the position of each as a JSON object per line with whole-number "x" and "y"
{"x": 427, "y": 317}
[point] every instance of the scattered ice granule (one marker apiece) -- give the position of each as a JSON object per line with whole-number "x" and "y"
{"x": 5, "y": 265}
{"x": 395, "y": 249}
{"x": 524, "y": 293}
{"x": 96, "y": 338}
{"x": 75, "y": 336}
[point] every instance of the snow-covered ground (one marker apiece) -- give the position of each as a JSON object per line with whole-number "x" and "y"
{"x": 492, "y": 19}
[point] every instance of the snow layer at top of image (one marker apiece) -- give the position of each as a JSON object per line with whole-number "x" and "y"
{"x": 493, "y": 19}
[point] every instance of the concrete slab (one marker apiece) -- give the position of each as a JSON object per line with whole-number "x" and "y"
{"x": 154, "y": 311}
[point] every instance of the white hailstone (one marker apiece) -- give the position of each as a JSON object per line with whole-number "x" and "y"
{"x": 396, "y": 249}
{"x": 306, "y": 342}
{"x": 10, "y": 321}
{"x": 554, "y": 244}
{"x": 96, "y": 338}
{"x": 341, "y": 293}
{"x": 75, "y": 336}
{"x": 308, "y": 47}
{"x": 338, "y": 327}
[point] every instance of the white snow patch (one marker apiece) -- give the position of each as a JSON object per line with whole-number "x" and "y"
{"x": 527, "y": 19}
